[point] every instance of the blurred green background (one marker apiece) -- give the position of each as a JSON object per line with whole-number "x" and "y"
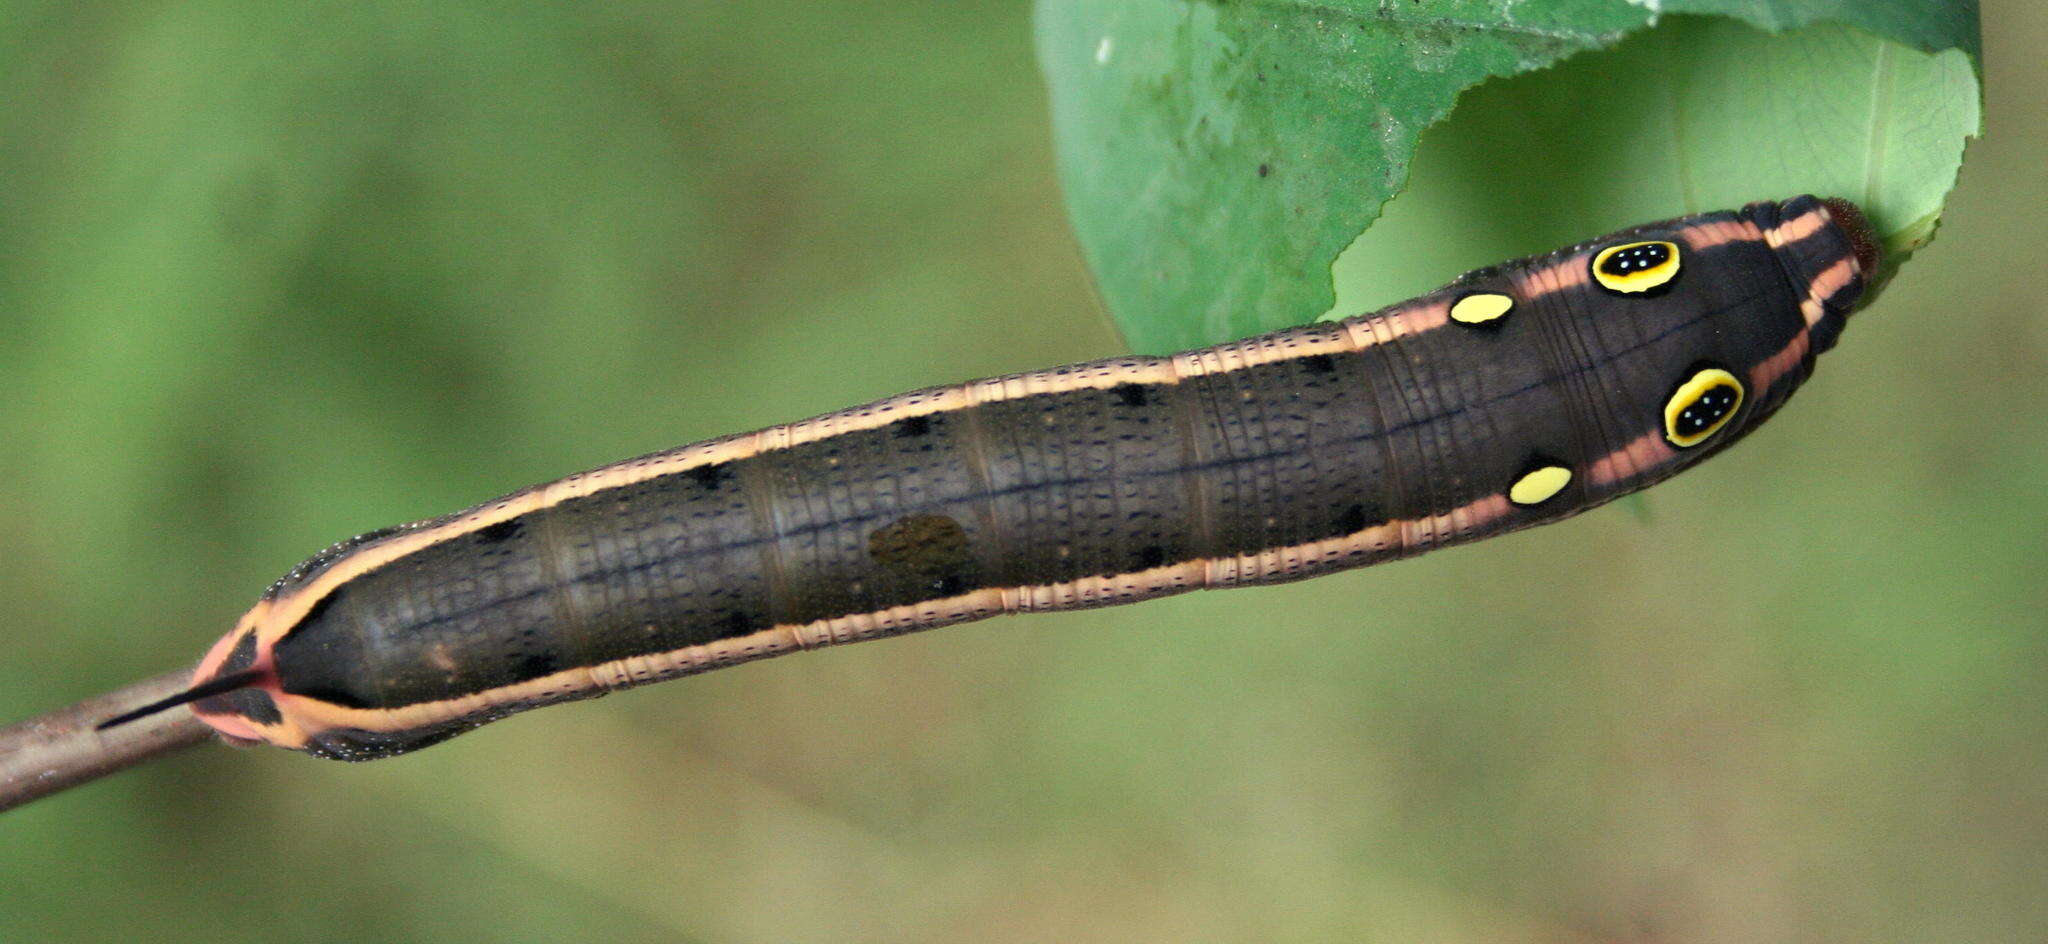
{"x": 274, "y": 274}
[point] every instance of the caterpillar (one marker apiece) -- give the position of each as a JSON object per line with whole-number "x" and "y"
{"x": 1517, "y": 395}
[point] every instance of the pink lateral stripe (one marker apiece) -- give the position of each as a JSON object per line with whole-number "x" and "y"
{"x": 1824, "y": 287}
{"x": 1719, "y": 232}
{"x": 1812, "y": 307}
{"x": 1763, "y": 375}
{"x": 1643, "y": 453}
{"x": 1397, "y": 323}
{"x": 1798, "y": 227}
{"x": 1556, "y": 277}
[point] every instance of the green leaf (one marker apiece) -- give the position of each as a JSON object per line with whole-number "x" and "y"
{"x": 1218, "y": 158}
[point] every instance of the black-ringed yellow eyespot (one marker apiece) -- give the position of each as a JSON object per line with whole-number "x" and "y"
{"x": 1703, "y": 404}
{"x": 1634, "y": 268}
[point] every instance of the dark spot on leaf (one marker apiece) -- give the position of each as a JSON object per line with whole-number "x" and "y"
{"x": 1265, "y": 169}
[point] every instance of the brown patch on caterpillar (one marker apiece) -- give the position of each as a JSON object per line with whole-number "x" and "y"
{"x": 931, "y": 548}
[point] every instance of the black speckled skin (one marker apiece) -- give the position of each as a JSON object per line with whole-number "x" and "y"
{"x": 1056, "y": 487}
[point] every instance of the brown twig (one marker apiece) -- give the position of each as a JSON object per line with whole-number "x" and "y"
{"x": 61, "y": 749}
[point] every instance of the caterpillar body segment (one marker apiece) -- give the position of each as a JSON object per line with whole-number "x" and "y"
{"x": 1517, "y": 395}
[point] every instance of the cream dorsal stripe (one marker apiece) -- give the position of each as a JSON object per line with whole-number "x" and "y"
{"x": 1517, "y": 395}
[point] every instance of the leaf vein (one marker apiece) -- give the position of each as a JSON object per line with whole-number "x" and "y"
{"x": 1416, "y": 24}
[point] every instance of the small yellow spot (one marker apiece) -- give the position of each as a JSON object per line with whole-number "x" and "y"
{"x": 1481, "y": 308}
{"x": 1702, "y": 405}
{"x": 1632, "y": 268}
{"x": 1540, "y": 486}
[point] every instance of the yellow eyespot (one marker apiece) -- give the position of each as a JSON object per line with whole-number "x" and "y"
{"x": 1634, "y": 268}
{"x": 1539, "y": 485}
{"x": 1481, "y": 307}
{"x": 1702, "y": 405}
